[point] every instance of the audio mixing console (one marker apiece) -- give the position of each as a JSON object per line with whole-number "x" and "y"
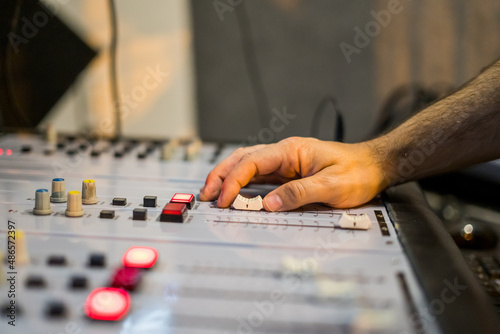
{"x": 129, "y": 261}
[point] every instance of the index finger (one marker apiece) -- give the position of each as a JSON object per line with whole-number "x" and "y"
{"x": 260, "y": 162}
{"x": 213, "y": 182}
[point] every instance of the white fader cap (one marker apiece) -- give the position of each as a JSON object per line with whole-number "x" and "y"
{"x": 355, "y": 222}
{"x": 74, "y": 208}
{"x": 42, "y": 202}
{"x": 58, "y": 190}
{"x": 89, "y": 192}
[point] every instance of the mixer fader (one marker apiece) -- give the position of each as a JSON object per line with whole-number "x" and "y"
{"x": 112, "y": 238}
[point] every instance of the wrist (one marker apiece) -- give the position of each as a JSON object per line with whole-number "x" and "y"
{"x": 379, "y": 154}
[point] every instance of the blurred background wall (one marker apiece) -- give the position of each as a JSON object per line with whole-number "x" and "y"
{"x": 227, "y": 69}
{"x": 155, "y": 69}
{"x": 297, "y": 47}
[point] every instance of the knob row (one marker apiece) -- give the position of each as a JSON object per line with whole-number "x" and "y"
{"x": 73, "y": 198}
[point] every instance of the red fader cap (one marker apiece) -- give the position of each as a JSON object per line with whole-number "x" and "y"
{"x": 140, "y": 257}
{"x": 187, "y": 199}
{"x": 107, "y": 304}
{"x": 174, "y": 213}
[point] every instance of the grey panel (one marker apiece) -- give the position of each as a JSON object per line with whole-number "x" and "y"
{"x": 214, "y": 271}
{"x": 297, "y": 49}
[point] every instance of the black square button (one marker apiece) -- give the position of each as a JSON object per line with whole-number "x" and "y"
{"x": 78, "y": 282}
{"x": 120, "y": 201}
{"x": 56, "y": 260}
{"x": 97, "y": 260}
{"x": 55, "y": 309}
{"x": 107, "y": 214}
{"x": 35, "y": 281}
{"x": 149, "y": 201}
{"x": 140, "y": 214}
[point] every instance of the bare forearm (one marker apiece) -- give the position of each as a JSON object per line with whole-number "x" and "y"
{"x": 460, "y": 130}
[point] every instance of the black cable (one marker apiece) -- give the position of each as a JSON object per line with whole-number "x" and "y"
{"x": 251, "y": 64}
{"x": 113, "y": 68}
{"x": 338, "y": 134}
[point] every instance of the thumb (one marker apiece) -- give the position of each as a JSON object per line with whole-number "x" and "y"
{"x": 294, "y": 194}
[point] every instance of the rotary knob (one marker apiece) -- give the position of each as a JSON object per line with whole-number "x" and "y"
{"x": 42, "y": 203}
{"x": 89, "y": 192}
{"x": 74, "y": 208}
{"x": 58, "y": 190}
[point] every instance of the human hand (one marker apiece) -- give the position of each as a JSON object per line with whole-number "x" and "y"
{"x": 336, "y": 174}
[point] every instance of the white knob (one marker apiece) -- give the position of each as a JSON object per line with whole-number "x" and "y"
{"x": 89, "y": 192}
{"x": 58, "y": 190}
{"x": 42, "y": 202}
{"x": 168, "y": 149}
{"x": 74, "y": 208}
{"x": 193, "y": 149}
{"x": 51, "y": 135}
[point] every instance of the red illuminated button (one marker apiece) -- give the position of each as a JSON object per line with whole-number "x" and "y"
{"x": 174, "y": 212}
{"x": 140, "y": 257}
{"x": 187, "y": 199}
{"x": 107, "y": 304}
{"x": 126, "y": 278}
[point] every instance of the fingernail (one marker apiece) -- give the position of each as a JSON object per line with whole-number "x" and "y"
{"x": 273, "y": 202}
{"x": 219, "y": 200}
